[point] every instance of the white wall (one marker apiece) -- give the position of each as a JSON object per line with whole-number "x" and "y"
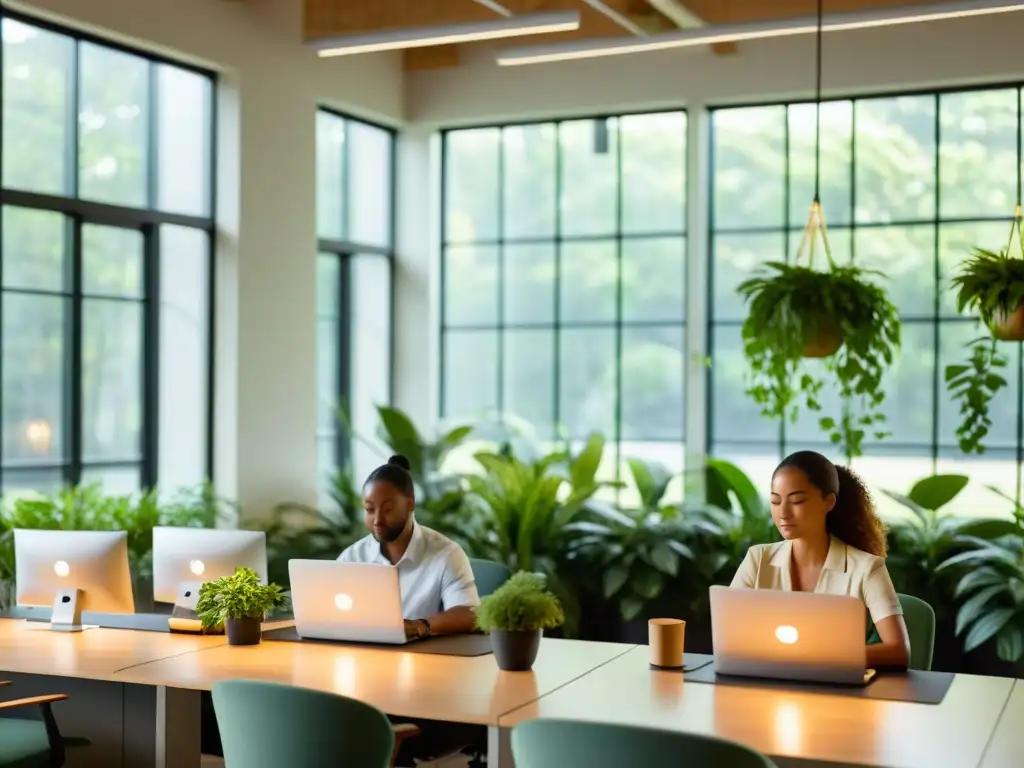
{"x": 265, "y": 401}
{"x": 981, "y": 49}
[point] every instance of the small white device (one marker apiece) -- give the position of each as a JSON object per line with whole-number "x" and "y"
{"x": 357, "y": 602}
{"x": 789, "y": 635}
{"x": 184, "y": 558}
{"x": 74, "y": 571}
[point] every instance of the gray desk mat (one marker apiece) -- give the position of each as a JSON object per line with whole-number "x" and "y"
{"x": 913, "y": 687}
{"x": 449, "y": 645}
{"x": 691, "y": 663}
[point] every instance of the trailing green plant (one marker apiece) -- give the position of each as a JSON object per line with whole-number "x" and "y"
{"x": 793, "y": 308}
{"x": 991, "y": 285}
{"x": 521, "y": 604}
{"x": 637, "y": 552}
{"x": 238, "y": 596}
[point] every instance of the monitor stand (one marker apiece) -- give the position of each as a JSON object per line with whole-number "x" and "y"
{"x": 67, "y": 611}
{"x": 183, "y": 616}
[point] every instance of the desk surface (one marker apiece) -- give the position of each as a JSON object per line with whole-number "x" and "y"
{"x": 415, "y": 685}
{"x": 33, "y": 648}
{"x": 817, "y": 727}
{"x": 1006, "y": 750}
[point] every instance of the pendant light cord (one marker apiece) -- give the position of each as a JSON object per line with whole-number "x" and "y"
{"x": 817, "y": 111}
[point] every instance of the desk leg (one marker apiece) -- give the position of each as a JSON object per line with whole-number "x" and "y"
{"x": 499, "y": 747}
{"x": 178, "y": 738}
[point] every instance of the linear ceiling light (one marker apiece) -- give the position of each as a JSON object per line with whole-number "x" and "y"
{"x": 726, "y": 33}
{"x": 418, "y": 37}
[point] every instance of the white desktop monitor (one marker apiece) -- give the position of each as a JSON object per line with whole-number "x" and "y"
{"x": 194, "y": 555}
{"x": 93, "y": 562}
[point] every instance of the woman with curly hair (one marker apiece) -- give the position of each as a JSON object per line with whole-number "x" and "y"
{"x": 833, "y": 543}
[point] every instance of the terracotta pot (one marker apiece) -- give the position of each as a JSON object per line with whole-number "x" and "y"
{"x": 1009, "y": 327}
{"x": 245, "y": 631}
{"x": 824, "y": 341}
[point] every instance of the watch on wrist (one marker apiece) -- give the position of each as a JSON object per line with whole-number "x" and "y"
{"x": 424, "y": 627}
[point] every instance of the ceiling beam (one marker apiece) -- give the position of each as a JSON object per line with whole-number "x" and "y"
{"x": 726, "y": 11}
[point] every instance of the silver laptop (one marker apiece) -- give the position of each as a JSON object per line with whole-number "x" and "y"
{"x": 357, "y": 602}
{"x": 789, "y": 635}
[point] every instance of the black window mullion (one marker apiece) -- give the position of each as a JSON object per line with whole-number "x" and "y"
{"x": 343, "y": 446}
{"x": 556, "y": 363}
{"x": 73, "y": 410}
{"x": 152, "y": 137}
{"x": 617, "y": 429}
{"x": 74, "y": 107}
{"x": 937, "y": 377}
{"x": 500, "y": 274}
{"x": 150, "y": 447}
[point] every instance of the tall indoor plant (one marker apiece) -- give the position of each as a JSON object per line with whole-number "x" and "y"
{"x": 838, "y": 314}
{"x": 238, "y": 602}
{"x": 516, "y": 615}
{"x": 991, "y": 285}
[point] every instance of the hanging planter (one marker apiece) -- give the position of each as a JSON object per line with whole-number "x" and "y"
{"x": 991, "y": 285}
{"x": 837, "y": 314}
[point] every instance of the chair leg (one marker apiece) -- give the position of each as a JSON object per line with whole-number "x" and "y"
{"x": 57, "y": 752}
{"x": 403, "y": 732}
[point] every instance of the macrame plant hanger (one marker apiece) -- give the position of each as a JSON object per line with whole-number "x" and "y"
{"x": 816, "y": 220}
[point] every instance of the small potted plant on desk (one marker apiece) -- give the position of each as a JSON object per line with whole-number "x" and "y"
{"x": 515, "y": 616}
{"x": 238, "y": 602}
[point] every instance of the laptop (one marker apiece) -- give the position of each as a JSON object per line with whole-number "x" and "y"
{"x": 789, "y": 635}
{"x": 354, "y": 602}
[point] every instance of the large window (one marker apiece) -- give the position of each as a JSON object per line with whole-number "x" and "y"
{"x": 355, "y": 222}
{"x": 107, "y": 190}
{"x": 564, "y": 273}
{"x": 909, "y": 185}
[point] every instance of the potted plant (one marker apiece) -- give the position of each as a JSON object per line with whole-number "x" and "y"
{"x": 992, "y": 285}
{"x": 839, "y": 315}
{"x": 238, "y": 602}
{"x": 516, "y": 615}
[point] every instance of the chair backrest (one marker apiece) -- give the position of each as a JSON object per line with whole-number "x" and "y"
{"x": 269, "y": 725}
{"x": 920, "y": 620}
{"x": 567, "y": 744}
{"x": 489, "y": 575}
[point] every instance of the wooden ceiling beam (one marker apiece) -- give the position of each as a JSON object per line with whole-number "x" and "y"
{"x": 725, "y": 11}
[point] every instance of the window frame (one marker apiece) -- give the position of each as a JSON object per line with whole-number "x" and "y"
{"x": 346, "y": 251}
{"x": 557, "y": 240}
{"x": 79, "y": 212}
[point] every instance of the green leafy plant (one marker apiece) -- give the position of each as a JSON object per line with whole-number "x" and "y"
{"x": 838, "y": 314}
{"x": 521, "y": 604}
{"x": 921, "y": 544}
{"x": 992, "y": 286}
{"x": 633, "y": 553}
{"x": 528, "y": 507}
{"x": 88, "y": 508}
{"x": 990, "y": 590}
{"x": 298, "y": 531}
{"x": 239, "y": 596}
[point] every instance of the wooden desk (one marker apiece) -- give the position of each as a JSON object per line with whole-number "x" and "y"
{"x": 1006, "y": 749}
{"x": 793, "y": 726}
{"x": 122, "y": 721}
{"x": 93, "y": 654}
{"x": 415, "y": 685}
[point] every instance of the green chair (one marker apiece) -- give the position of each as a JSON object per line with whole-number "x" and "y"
{"x": 30, "y": 739}
{"x": 270, "y": 725}
{"x": 489, "y": 575}
{"x": 569, "y": 744}
{"x": 920, "y": 620}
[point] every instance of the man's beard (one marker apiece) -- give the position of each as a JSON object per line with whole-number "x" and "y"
{"x": 390, "y": 534}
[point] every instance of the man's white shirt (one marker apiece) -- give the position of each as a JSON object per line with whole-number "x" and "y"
{"x": 434, "y": 573}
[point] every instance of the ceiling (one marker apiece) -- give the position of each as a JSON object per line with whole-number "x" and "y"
{"x": 598, "y": 18}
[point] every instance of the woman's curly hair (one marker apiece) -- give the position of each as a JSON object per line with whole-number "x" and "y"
{"x": 853, "y": 518}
